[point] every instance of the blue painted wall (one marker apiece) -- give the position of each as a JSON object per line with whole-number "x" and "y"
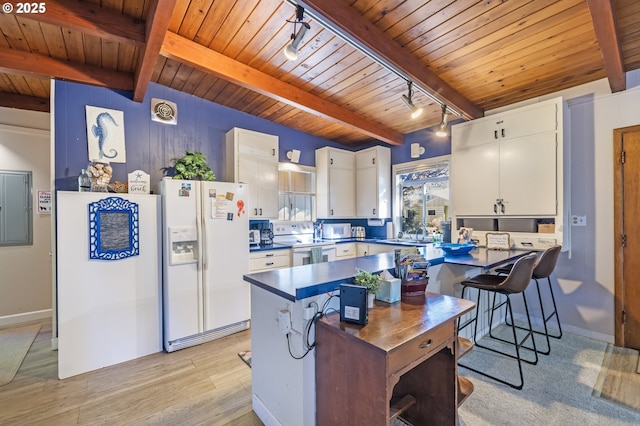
{"x": 201, "y": 126}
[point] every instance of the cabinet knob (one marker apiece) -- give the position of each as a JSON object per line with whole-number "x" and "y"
{"x": 273, "y": 152}
{"x": 502, "y": 132}
{"x": 495, "y": 208}
{"x": 261, "y": 211}
{"x": 426, "y": 344}
{"x": 255, "y": 212}
{"x": 495, "y": 134}
{"x": 269, "y": 263}
{"x": 269, "y": 255}
{"x": 331, "y": 212}
{"x": 331, "y": 161}
{"x": 373, "y": 160}
{"x": 374, "y": 211}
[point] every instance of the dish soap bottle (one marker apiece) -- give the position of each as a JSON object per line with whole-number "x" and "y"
{"x": 84, "y": 181}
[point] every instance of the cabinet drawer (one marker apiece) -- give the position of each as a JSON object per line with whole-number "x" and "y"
{"x": 260, "y": 261}
{"x": 420, "y": 346}
{"x": 345, "y": 250}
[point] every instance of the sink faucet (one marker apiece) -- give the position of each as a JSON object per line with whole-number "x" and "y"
{"x": 423, "y": 225}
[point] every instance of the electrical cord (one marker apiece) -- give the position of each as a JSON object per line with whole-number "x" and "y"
{"x": 307, "y": 331}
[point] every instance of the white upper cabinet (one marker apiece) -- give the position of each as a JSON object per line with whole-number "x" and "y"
{"x": 335, "y": 183}
{"x": 526, "y": 121}
{"x": 373, "y": 186}
{"x": 252, "y": 158}
{"x": 509, "y": 165}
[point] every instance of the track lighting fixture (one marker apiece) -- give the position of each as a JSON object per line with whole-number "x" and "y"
{"x": 291, "y": 49}
{"x": 442, "y": 130}
{"x": 415, "y": 111}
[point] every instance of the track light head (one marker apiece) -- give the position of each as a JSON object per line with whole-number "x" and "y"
{"x": 442, "y": 130}
{"x": 291, "y": 50}
{"x": 415, "y": 111}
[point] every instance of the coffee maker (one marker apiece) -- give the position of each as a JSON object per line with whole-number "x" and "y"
{"x": 266, "y": 234}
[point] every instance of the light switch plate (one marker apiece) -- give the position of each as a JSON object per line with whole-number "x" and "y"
{"x": 578, "y": 220}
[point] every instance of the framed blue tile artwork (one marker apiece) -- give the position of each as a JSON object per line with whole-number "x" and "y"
{"x": 113, "y": 229}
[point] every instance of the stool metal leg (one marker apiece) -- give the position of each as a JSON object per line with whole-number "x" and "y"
{"x": 515, "y": 385}
{"x": 554, "y": 313}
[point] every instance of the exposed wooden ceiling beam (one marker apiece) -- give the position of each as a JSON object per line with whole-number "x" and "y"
{"x": 604, "y": 23}
{"x": 184, "y": 50}
{"x": 31, "y": 103}
{"x": 157, "y": 24}
{"x": 363, "y": 32}
{"x": 93, "y": 20}
{"x": 14, "y": 61}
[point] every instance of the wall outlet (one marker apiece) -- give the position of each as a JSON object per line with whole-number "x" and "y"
{"x": 578, "y": 221}
{"x": 284, "y": 321}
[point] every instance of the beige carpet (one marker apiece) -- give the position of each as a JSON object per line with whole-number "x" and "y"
{"x": 14, "y": 345}
{"x": 619, "y": 380}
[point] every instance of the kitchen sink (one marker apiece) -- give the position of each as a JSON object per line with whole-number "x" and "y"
{"x": 406, "y": 241}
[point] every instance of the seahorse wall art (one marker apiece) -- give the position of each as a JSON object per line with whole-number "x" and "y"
{"x": 105, "y": 134}
{"x": 101, "y": 131}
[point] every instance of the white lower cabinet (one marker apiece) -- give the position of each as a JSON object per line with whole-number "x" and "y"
{"x": 345, "y": 251}
{"x": 261, "y": 261}
{"x": 365, "y": 249}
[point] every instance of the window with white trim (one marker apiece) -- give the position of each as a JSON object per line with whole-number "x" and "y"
{"x": 421, "y": 196}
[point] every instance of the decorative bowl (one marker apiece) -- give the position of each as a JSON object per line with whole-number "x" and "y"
{"x": 455, "y": 249}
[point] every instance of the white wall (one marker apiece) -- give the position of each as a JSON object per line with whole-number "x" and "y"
{"x": 586, "y": 278}
{"x": 25, "y": 271}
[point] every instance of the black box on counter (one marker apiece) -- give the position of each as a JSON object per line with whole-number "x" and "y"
{"x": 353, "y": 304}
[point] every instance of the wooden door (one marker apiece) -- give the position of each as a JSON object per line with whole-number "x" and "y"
{"x": 627, "y": 236}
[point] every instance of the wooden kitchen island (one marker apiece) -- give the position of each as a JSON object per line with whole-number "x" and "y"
{"x": 402, "y": 363}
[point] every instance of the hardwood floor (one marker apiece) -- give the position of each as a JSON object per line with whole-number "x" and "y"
{"x": 203, "y": 385}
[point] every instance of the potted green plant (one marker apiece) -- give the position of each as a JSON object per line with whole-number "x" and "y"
{"x": 369, "y": 280}
{"x": 192, "y": 166}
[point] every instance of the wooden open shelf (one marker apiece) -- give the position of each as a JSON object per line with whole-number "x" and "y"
{"x": 464, "y": 346}
{"x": 400, "y": 406}
{"x": 465, "y": 388}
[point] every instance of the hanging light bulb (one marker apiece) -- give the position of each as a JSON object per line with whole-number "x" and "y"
{"x": 415, "y": 111}
{"x": 291, "y": 49}
{"x": 442, "y": 130}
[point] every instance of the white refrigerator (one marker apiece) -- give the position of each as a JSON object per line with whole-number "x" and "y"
{"x": 206, "y": 253}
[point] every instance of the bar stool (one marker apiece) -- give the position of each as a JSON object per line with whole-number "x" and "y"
{"x": 515, "y": 282}
{"x": 543, "y": 269}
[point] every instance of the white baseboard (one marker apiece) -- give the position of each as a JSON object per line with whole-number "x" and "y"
{"x": 537, "y": 322}
{"x": 263, "y": 412}
{"x": 25, "y": 317}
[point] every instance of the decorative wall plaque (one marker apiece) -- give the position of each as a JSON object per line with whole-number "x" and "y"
{"x": 139, "y": 182}
{"x": 113, "y": 229}
{"x": 498, "y": 241}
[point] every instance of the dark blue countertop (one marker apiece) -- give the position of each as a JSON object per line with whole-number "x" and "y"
{"x": 268, "y": 247}
{"x": 300, "y": 282}
{"x": 408, "y": 243}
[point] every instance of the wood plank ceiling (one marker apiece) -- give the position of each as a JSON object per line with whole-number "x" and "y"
{"x": 474, "y": 55}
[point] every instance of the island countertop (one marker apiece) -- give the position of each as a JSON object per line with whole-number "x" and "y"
{"x": 300, "y": 282}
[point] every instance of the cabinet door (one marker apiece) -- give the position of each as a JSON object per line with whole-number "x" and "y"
{"x": 341, "y": 159}
{"x": 341, "y": 193}
{"x": 247, "y": 172}
{"x": 367, "y": 192}
{"x": 530, "y": 121}
{"x": 262, "y": 178}
{"x": 474, "y": 133}
{"x": 474, "y": 180}
{"x": 267, "y": 189}
{"x": 528, "y": 175}
{"x": 257, "y": 144}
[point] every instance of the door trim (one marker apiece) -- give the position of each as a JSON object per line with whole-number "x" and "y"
{"x": 618, "y": 229}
